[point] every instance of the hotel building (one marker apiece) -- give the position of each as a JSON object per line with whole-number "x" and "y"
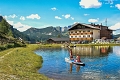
{"x": 88, "y": 32}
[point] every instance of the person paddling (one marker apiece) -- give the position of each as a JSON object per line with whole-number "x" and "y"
{"x": 77, "y": 59}
{"x": 71, "y": 55}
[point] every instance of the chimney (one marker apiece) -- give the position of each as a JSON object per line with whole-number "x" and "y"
{"x": 92, "y": 24}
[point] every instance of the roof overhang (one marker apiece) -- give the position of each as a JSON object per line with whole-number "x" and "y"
{"x": 87, "y": 25}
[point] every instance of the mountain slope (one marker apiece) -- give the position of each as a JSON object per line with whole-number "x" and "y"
{"x": 44, "y": 33}
{"x": 7, "y": 39}
{"x": 116, "y": 36}
{"x": 5, "y": 32}
{"x": 32, "y": 34}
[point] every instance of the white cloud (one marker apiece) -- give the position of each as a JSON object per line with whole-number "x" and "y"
{"x": 54, "y": 8}
{"x": 90, "y": 4}
{"x": 10, "y": 16}
{"x": 109, "y": 1}
{"x": 66, "y": 16}
{"x": 111, "y": 6}
{"x": 19, "y": 26}
{"x": 33, "y": 16}
{"x": 116, "y": 26}
{"x": 10, "y": 22}
{"x": 86, "y": 14}
{"x": 22, "y": 18}
{"x": 57, "y": 17}
{"x": 118, "y": 6}
{"x": 93, "y": 20}
{"x": 5, "y": 17}
{"x": 72, "y": 18}
{"x": 75, "y": 22}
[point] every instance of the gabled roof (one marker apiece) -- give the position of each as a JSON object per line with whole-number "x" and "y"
{"x": 59, "y": 39}
{"x": 87, "y": 25}
{"x": 111, "y": 29}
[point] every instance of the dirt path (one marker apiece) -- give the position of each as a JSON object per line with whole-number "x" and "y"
{"x": 7, "y": 76}
{"x": 5, "y": 55}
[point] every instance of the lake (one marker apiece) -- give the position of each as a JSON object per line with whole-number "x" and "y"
{"x": 101, "y": 63}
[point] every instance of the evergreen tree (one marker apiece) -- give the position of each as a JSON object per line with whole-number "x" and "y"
{"x": 4, "y": 27}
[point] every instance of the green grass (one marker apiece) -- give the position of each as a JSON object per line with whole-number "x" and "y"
{"x": 5, "y": 51}
{"x": 22, "y": 64}
{"x": 11, "y": 45}
{"x": 50, "y": 45}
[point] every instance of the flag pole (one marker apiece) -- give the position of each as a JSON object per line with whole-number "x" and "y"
{"x": 106, "y": 21}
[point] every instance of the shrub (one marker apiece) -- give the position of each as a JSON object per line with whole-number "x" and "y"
{"x": 18, "y": 44}
{"x": 2, "y": 48}
{"x": 9, "y": 46}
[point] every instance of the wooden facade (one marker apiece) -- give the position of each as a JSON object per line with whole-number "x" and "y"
{"x": 88, "y": 32}
{"x": 104, "y": 31}
{"x": 58, "y": 40}
{"x": 82, "y": 32}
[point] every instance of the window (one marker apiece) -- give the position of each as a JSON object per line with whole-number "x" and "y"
{"x": 81, "y": 35}
{"x": 79, "y": 26}
{"x": 88, "y": 35}
{"x": 83, "y": 27}
{"x": 88, "y": 31}
{"x": 71, "y": 32}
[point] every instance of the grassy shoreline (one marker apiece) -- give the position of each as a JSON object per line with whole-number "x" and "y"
{"x": 22, "y": 64}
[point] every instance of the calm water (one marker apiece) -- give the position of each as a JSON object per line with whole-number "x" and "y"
{"x": 101, "y": 63}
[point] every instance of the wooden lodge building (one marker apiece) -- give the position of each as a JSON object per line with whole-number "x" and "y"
{"x": 88, "y": 32}
{"x": 58, "y": 40}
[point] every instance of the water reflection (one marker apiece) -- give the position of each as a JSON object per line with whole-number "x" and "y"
{"x": 73, "y": 65}
{"x": 116, "y": 50}
{"x": 101, "y": 63}
{"x": 93, "y": 51}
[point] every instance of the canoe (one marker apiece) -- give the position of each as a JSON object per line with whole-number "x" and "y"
{"x": 72, "y": 61}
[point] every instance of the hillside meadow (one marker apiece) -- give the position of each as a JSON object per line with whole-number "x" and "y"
{"x": 21, "y": 64}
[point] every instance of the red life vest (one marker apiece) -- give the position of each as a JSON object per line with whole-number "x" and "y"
{"x": 78, "y": 59}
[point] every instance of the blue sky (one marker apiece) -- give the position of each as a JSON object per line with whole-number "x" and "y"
{"x": 23, "y": 14}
